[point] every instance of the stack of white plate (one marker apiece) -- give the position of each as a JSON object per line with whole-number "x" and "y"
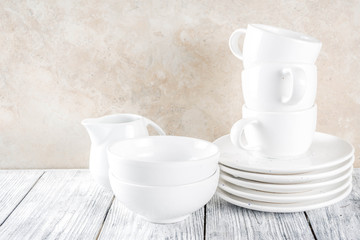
{"x": 320, "y": 178}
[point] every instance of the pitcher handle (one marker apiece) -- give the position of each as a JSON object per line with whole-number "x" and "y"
{"x": 155, "y": 126}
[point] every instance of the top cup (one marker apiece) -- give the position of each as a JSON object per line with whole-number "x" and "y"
{"x": 271, "y": 44}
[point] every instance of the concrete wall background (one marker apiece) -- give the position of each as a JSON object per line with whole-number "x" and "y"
{"x": 62, "y": 61}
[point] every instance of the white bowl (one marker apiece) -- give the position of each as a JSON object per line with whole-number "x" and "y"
{"x": 164, "y": 204}
{"x": 163, "y": 160}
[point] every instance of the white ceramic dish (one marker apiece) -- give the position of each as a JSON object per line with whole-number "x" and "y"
{"x": 163, "y": 160}
{"x": 106, "y": 129}
{"x": 279, "y": 87}
{"x": 264, "y": 43}
{"x": 290, "y": 178}
{"x": 286, "y": 188}
{"x": 165, "y": 204}
{"x": 325, "y": 151}
{"x": 284, "y": 197}
{"x": 284, "y": 207}
{"x": 275, "y": 134}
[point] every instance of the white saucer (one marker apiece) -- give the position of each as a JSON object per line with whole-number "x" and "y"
{"x": 325, "y": 151}
{"x": 290, "y": 178}
{"x": 287, "y": 188}
{"x": 284, "y": 207}
{"x": 284, "y": 197}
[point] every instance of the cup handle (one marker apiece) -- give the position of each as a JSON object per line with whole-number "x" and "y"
{"x": 237, "y": 134}
{"x": 155, "y": 126}
{"x": 234, "y": 42}
{"x": 298, "y": 79}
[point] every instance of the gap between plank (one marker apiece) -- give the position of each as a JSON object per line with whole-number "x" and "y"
{"x": 22, "y": 198}
{"x": 311, "y": 228}
{"x": 107, "y": 212}
{"x": 205, "y": 221}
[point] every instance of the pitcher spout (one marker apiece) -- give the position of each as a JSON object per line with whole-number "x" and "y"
{"x": 98, "y": 133}
{"x": 104, "y": 129}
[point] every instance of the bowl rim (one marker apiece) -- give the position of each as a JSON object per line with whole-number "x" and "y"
{"x": 135, "y": 160}
{"x": 213, "y": 175}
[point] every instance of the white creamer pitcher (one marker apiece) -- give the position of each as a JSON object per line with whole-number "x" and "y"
{"x": 111, "y": 128}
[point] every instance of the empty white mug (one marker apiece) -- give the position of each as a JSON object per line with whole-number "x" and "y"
{"x": 265, "y": 43}
{"x": 280, "y": 87}
{"x": 275, "y": 134}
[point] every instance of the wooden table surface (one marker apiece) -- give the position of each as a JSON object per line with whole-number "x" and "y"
{"x": 68, "y": 204}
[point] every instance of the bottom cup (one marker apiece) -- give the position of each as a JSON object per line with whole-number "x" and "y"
{"x": 275, "y": 134}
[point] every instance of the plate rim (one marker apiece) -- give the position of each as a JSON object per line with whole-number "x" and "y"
{"x": 287, "y": 199}
{"x": 297, "y": 170}
{"x": 280, "y": 207}
{"x": 288, "y": 178}
{"x": 281, "y": 188}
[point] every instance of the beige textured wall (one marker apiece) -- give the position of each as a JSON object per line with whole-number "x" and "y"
{"x": 62, "y": 61}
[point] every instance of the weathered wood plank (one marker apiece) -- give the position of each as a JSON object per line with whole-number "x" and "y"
{"x": 123, "y": 224}
{"x": 339, "y": 221}
{"x": 63, "y": 204}
{"x": 227, "y": 221}
{"x": 67, "y": 204}
{"x": 14, "y": 185}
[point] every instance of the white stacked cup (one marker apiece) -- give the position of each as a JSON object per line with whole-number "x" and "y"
{"x": 279, "y": 84}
